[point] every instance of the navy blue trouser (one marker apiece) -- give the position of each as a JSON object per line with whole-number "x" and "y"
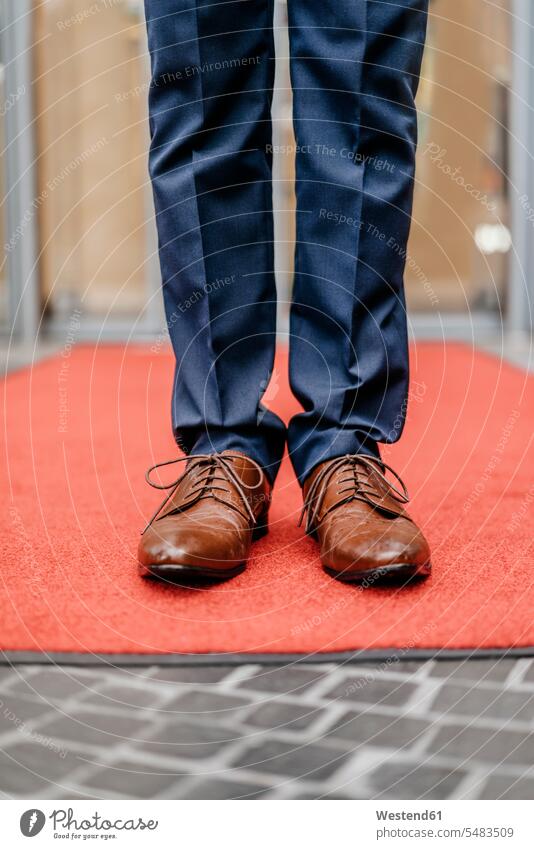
{"x": 354, "y": 69}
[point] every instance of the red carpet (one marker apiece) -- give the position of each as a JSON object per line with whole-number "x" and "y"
{"x": 80, "y": 430}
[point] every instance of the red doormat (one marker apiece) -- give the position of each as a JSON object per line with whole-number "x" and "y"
{"x": 81, "y": 428}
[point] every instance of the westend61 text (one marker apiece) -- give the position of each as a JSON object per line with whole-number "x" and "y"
{"x": 408, "y": 815}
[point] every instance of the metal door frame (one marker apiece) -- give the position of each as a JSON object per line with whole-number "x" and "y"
{"x": 519, "y": 317}
{"x": 20, "y": 183}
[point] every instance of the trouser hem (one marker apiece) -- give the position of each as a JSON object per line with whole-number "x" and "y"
{"x": 304, "y": 459}
{"x": 267, "y": 453}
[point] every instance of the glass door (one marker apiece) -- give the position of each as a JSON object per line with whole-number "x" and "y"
{"x": 92, "y": 200}
{"x": 460, "y": 242}
{"x": 458, "y": 255}
{"x": 97, "y": 245}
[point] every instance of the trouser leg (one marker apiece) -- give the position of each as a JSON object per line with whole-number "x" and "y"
{"x": 355, "y": 66}
{"x": 210, "y": 98}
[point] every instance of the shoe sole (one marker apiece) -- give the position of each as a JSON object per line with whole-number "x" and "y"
{"x": 179, "y": 573}
{"x": 400, "y": 573}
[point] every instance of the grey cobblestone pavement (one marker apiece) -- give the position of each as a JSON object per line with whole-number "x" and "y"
{"x": 407, "y": 730}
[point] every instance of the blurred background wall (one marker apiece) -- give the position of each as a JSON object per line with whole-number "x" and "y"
{"x": 77, "y": 229}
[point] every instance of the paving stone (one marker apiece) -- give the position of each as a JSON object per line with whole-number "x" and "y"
{"x": 311, "y": 761}
{"x": 96, "y": 729}
{"x": 408, "y": 667}
{"x": 412, "y": 781}
{"x": 17, "y": 712}
{"x": 528, "y": 677}
{"x": 44, "y": 760}
{"x": 123, "y": 697}
{"x": 283, "y": 716}
{"x": 504, "y": 787}
{"x": 54, "y": 684}
{"x": 66, "y": 793}
{"x": 288, "y": 680}
{"x": 378, "y": 730}
{"x": 128, "y": 676}
{"x": 309, "y": 797}
{"x": 8, "y": 676}
{"x": 379, "y": 667}
{"x": 134, "y": 781}
{"x": 474, "y": 670}
{"x": 216, "y": 788}
{"x": 485, "y": 702}
{"x": 213, "y": 703}
{"x": 482, "y": 744}
{"x": 342, "y": 795}
{"x": 376, "y": 691}
{"x": 190, "y": 674}
{"x": 15, "y": 779}
{"x": 182, "y": 739}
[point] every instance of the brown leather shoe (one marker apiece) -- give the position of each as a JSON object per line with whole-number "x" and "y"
{"x": 205, "y": 526}
{"x": 357, "y": 515}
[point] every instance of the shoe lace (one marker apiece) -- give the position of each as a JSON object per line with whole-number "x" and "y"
{"x": 213, "y": 474}
{"x": 355, "y": 472}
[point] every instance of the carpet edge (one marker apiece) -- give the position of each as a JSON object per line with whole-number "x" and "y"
{"x": 8, "y": 658}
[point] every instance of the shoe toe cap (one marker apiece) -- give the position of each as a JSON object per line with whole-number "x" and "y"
{"x": 402, "y": 549}
{"x": 168, "y": 544}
